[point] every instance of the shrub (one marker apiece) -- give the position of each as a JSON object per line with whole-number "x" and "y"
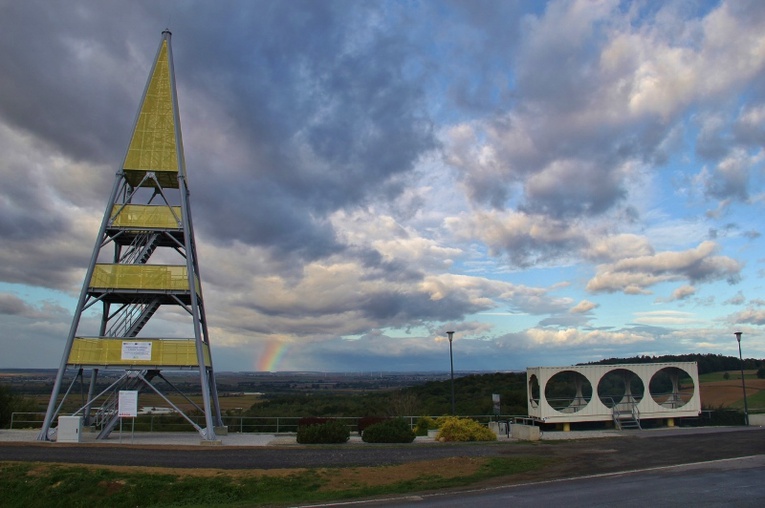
{"x": 424, "y": 423}
{"x": 463, "y": 429}
{"x": 723, "y": 416}
{"x": 395, "y": 430}
{"x": 443, "y": 419}
{"x": 311, "y": 420}
{"x": 367, "y": 421}
{"x": 329, "y": 432}
{"x": 10, "y": 402}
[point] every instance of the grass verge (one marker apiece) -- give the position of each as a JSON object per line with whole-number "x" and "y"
{"x": 31, "y": 485}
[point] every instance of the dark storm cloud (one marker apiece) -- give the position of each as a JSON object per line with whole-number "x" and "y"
{"x": 394, "y": 308}
{"x": 596, "y": 191}
{"x": 479, "y": 27}
{"x": 391, "y": 270}
{"x": 318, "y": 93}
{"x": 26, "y": 214}
{"x": 263, "y": 214}
{"x": 399, "y": 309}
{"x": 58, "y": 80}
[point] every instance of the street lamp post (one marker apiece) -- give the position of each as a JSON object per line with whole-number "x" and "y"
{"x": 743, "y": 383}
{"x": 451, "y": 363}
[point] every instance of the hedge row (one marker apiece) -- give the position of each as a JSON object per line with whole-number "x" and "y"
{"x": 327, "y": 432}
{"x": 391, "y": 430}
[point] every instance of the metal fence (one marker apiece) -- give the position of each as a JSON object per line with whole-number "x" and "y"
{"x": 289, "y": 424}
{"x": 236, "y": 423}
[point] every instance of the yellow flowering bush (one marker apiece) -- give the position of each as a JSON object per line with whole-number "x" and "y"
{"x": 454, "y": 428}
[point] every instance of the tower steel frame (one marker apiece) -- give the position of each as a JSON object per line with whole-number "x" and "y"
{"x": 134, "y": 272}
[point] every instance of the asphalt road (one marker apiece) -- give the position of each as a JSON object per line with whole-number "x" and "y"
{"x": 579, "y": 457}
{"x": 723, "y": 483}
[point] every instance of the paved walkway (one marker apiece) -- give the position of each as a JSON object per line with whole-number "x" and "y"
{"x": 252, "y": 439}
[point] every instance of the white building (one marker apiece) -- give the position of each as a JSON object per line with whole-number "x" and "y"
{"x": 625, "y": 393}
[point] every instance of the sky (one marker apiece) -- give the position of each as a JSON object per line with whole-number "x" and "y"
{"x": 556, "y": 182}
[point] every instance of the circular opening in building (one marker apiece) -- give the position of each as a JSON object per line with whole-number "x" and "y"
{"x": 671, "y": 387}
{"x": 533, "y": 391}
{"x": 620, "y": 387}
{"x": 568, "y": 391}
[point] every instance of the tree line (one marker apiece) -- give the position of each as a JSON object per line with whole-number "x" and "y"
{"x": 707, "y": 362}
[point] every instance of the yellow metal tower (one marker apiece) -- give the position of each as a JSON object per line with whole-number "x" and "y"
{"x": 144, "y": 260}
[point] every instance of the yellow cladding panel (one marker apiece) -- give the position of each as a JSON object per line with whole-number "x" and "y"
{"x": 148, "y": 277}
{"x": 157, "y": 352}
{"x": 146, "y": 216}
{"x": 153, "y": 146}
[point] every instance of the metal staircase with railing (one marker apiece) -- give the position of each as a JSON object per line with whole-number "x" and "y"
{"x": 141, "y": 249}
{"x": 626, "y": 415}
{"x": 131, "y": 318}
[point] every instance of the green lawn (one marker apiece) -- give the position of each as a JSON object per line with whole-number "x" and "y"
{"x": 31, "y": 485}
{"x": 755, "y": 402}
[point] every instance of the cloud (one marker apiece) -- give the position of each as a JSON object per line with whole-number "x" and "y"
{"x": 583, "y": 307}
{"x": 612, "y": 248}
{"x": 730, "y": 178}
{"x": 635, "y": 274}
{"x": 683, "y": 293}
{"x": 749, "y": 316}
{"x": 737, "y": 299}
{"x": 573, "y": 338}
{"x": 524, "y": 239}
{"x": 324, "y": 130}
{"x": 599, "y": 92}
{"x": 748, "y": 129}
{"x": 14, "y": 306}
{"x": 324, "y": 122}
{"x": 364, "y": 176}
{"x": 663, "y": 318}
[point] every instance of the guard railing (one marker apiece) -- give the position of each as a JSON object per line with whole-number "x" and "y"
{"x": 171, "y": 422}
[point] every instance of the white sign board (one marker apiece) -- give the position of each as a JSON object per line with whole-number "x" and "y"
{"x": 136, "y": 350}
{"x": 128, "y": 404}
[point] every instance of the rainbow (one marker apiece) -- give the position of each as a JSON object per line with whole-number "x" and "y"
{"x": 270, "y": 356}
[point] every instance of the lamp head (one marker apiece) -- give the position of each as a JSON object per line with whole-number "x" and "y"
{"x": 450, "y": 335}
{"x": 738, "y": 336}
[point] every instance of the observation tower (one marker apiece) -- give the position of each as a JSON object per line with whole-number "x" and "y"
{"x": 144, "y": 265}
